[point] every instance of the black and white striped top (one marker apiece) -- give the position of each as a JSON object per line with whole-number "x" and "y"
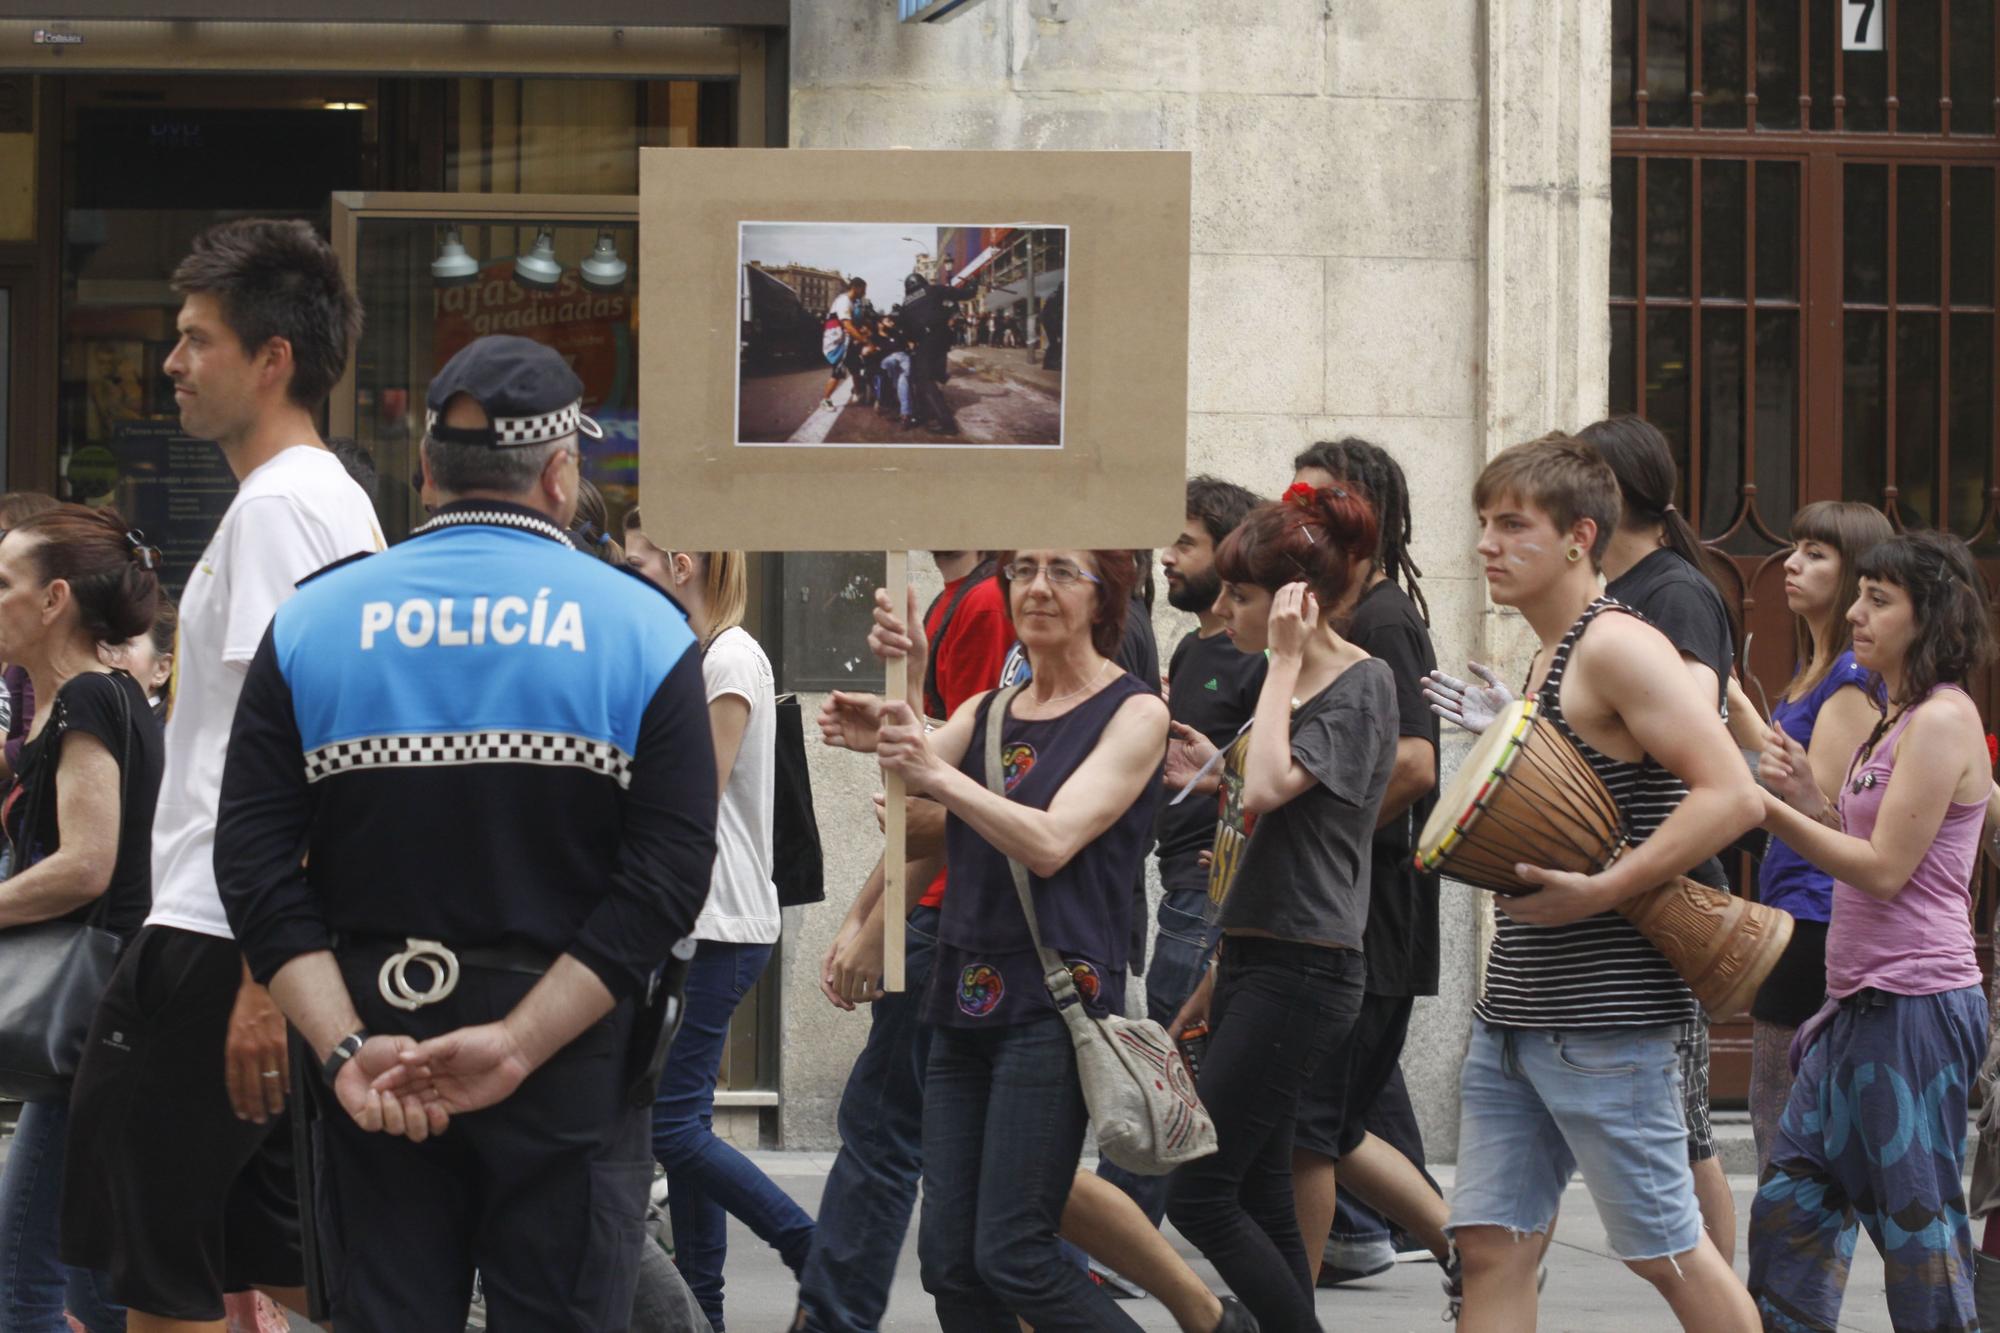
{"x": 1599, "y": 972}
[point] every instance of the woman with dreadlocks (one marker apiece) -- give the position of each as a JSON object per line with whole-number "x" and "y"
{"x": 1355, "y": 1110}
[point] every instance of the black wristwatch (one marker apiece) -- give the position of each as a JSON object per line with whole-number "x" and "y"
{"x": 344, "y": 1050}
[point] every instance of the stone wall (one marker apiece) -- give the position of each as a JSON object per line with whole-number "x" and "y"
{"x": 1400, "y": 231}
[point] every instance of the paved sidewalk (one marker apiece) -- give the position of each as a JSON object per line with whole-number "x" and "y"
{"x": 1588, "y": 1291}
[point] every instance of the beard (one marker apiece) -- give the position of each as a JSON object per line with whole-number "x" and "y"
{"x": 1195, "y": 595}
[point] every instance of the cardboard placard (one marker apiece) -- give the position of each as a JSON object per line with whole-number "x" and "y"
{"x": 1115, "y": 479}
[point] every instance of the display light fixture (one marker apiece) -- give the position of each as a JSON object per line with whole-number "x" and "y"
{"x": 603, "y": 269}
{"x": 453, "y": 267}
{"x": 538, "y": 268}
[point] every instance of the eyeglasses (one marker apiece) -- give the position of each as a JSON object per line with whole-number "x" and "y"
{"x": 1061, "y": 573}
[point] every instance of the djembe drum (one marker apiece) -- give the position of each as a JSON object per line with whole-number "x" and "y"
{"x": 1525, "y": 795}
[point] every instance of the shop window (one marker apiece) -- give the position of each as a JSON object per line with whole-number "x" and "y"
{"x": 148, "y": 163}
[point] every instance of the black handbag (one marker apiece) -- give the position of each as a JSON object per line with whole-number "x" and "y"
{"x": 52, "y": 973}
{"x": 798, "y": 866}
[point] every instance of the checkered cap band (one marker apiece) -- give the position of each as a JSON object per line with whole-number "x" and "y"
{"x": 548, "y": 749}
{"x": 516, "y": 432}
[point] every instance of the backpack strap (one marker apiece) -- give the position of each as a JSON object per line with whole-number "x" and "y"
{"x": 933, "y": 699}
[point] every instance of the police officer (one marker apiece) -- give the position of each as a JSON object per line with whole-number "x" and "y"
{"x": 469, "y": 805}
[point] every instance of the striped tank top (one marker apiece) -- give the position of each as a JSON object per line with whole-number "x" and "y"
{"x": 1599, "y": 972}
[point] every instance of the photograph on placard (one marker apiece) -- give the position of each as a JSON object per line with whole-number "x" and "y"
{"x": 900, "y": 335}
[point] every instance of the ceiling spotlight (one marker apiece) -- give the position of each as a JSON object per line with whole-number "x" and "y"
{"x": 538, "y": 268}
{"x": 603, "y": 269}
{"x": 453, "y": 267}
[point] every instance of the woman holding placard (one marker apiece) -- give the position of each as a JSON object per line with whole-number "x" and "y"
{"x": 1004, "y": 1116}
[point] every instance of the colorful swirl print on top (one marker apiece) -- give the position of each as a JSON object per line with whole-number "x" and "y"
{"x": 986, "y": 972}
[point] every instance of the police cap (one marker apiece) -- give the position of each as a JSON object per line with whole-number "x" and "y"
{"x": 529, "y": 394}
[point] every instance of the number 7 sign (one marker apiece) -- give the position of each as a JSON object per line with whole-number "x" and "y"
{"x": 1861, "y": 24}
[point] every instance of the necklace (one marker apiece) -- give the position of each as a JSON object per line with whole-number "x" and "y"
{"x": 1059, "y": 698}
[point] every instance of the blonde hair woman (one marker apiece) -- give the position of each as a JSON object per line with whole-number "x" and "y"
{"x": 734, "y": 936}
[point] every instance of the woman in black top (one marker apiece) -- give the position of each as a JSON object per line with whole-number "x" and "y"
{"x": 1082, "y": 747}
{"x": 80, "y": 818}
{"x": 1290, "y": 883}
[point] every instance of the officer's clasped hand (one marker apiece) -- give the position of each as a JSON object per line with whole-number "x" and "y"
{"x": 413, "y": 1112}
{"x": 466, "y": 1069}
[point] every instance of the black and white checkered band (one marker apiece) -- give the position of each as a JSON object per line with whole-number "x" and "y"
{"x": 447, "y": 749}
{"x": 514, "y": 432}
{"x": 506, "y": 518}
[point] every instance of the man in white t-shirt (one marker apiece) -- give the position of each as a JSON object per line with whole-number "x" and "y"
{"x": 839, "y": 331}
{"x": 180, "y": 1186}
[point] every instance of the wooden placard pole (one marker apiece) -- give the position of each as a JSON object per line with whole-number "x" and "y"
{"x": 895, "y": 908}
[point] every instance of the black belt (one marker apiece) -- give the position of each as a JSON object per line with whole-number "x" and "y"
{"x": 439, "y": 964}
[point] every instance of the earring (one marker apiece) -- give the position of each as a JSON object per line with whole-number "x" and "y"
{"x": 1573, "y": 554}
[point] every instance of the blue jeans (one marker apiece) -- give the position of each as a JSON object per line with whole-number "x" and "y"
{"x": 896, "y": 369}
{"x": 36, "y": 1286}
{"x": 708, "y": 1180}
{"x": 1873, "y": 1136}
{"x": 872, "y": 1188}
{"x": 1536, "y": 1105}
{"x": 1003, "y": 1131}
{"x": 1180, "y": 952}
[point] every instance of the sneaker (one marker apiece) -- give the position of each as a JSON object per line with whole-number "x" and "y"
{"x": 827, "y": 403}
{"x": 1118, "y": 1288}
{"x": 1235, "y": 1319}
{"x": 1350, "y": 1260}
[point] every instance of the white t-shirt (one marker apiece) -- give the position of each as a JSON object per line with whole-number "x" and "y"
{"x": 297, "y": 513}
{"x": 835, "y": 335}
{"x": 742, "y": 903}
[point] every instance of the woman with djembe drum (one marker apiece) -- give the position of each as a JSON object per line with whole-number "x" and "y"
{"x": 1305, "y": 783}
{"x": 1875, "y": 1127}
{"x": 1573, "y": 1061}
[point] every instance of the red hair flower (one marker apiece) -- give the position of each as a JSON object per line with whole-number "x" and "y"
{"x": 1992, "y": 748}
{"x": 1301, "y": 495}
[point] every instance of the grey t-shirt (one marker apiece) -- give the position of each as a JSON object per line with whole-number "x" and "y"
{"x": 1304, "y": 873}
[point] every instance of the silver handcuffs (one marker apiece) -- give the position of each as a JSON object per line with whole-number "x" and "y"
{"x": 394, "y": 979}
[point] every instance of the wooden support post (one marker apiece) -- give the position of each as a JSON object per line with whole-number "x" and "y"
{"x": 895, "y": 907}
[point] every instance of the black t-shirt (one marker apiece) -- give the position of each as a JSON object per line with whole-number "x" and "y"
{"x": 89, "y": 704}
{"x": 1402, "y": 945}
{"x": 1139, "y": 651}
{"x": 1212, "y": 687}
{"x": 1683, "y": 605}
{"x": 1680, "y": 602}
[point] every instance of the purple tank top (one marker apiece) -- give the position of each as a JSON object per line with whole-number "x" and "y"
{"x": 1920, "y": 941}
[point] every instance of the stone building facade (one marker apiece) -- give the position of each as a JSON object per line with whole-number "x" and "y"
{"x": 1401, "y": 222}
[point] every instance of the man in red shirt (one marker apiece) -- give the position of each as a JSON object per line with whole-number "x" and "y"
{"x": 872, "y": 1188}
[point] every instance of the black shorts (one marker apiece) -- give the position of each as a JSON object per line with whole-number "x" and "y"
{"x": 1333, "y": 1108}
{"x": 164, "y": 1189}
{"x": 1796, "y": 987}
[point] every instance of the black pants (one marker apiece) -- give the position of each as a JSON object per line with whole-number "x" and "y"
{"x": 1279, "y": 1008}
{"x": 545, "y": 1193}
{"x": 927, "y": 394}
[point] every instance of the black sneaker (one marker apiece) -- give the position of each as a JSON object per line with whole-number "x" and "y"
{"x": 1235, "y": 1319}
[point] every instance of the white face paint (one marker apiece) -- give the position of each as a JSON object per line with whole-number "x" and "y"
{"x": 1526, "y": 549}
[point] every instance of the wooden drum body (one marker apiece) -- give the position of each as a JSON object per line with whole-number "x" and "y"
{"x": 1526, "y": 796}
